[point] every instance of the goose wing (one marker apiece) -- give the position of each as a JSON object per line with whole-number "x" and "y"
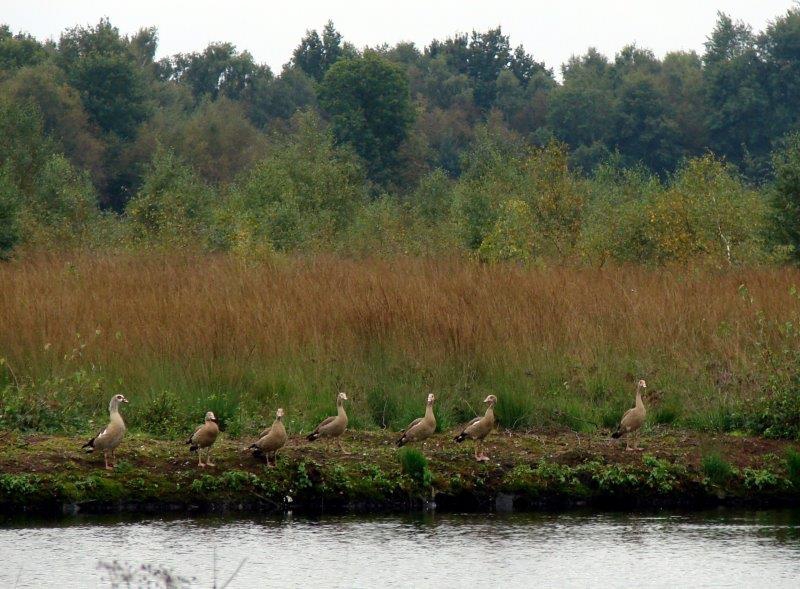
{"x": 471, "y": 423}
{"x": 324, "y": 422}
{"x": 412, "y": 424}
{"x": 191, "y": 438}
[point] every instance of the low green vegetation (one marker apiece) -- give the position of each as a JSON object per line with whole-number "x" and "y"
{"x": 717, "y": 469}
{"x": 541, "y": 471}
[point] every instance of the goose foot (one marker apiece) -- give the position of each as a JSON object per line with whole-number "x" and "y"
{"x": 211, "y": 464}
{"x": 109, "y": 467}
{"x": 201, "y": 464}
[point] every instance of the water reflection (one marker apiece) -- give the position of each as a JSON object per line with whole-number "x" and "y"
{"x": 719, "y": 548}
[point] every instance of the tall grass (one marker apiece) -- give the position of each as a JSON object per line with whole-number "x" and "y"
{"x": 178, "y": 333}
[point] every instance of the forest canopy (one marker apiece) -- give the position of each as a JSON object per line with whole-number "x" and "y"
{"x": 468, "y": 145}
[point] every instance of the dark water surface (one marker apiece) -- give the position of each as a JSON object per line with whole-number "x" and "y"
{"x": 709, "y": 549}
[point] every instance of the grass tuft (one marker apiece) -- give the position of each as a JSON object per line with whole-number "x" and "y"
{"x": 717, "y": 469}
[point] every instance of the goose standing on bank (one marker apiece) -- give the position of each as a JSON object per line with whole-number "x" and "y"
{"x": 479, "y": 428}
{"x": 422, "y": 427}
{"x": 271, "y": 440}
{"x": 108, "y": 439}
{"x": 333, "y": 427}
{"x": 633, "y": 419}
{"x": 203, "y": 438}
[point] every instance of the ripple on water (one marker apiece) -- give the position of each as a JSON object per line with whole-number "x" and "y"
{"x": 719, "y": 549}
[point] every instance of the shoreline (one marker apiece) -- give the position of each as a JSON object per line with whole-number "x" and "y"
{"x": 48, "y": 476}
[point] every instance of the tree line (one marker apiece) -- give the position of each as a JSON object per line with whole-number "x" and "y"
{"x": 467, "y": 143}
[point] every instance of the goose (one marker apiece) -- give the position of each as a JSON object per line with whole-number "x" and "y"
{"x": 271, "y": 440}
{"x": 422, "y": 427}
{"x": 479, "y": 428}
{"x": 203, "y": 438}
{"x": 633, "y": 419}
{"x": 108, "y": 439}
{"x": 332, "y": 427}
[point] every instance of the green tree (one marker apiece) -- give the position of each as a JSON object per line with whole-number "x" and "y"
{"x": 24, "y": 147}
{"x": 581, "y": 110}
{"x": 99, "y": 64}
{"x": 369, "y": 104}
{"x": 220, "y": 70}
{"x": 316, "y": 54}
{"x": 219, "y": 141}
{"x": 9, "y": 210}
{"x": 779, "y": 47}
{"x": 281, "y": 97}
{"x": 786, "y": 192}
{"x": 64, "y": 119}
{"x": 681, "y": 79}
{"x": 63, "y": 205}
{"x": 303, "y": 193}
{"x": 173, "y": 206}
{"x": 645, "y": 131}
{"x": 19, "y": 50}
{"x": 738, "y": 100}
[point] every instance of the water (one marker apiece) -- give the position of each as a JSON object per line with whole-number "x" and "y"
{"x": 717, "y": 549}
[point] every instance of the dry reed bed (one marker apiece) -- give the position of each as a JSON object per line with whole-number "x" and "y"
{"x": 179, "y": 307}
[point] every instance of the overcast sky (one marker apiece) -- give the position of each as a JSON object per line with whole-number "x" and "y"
{"x": 551, "y": 31}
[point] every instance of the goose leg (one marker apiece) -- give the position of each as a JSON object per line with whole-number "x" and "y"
{"x": 105, "y": 457}
{"x": 341, "y": 448}
{"x": 200, "y": 458}
{"x": 208, "y": 457}
{"x": 483, "y": 457}
{"x": 477, "y": 456}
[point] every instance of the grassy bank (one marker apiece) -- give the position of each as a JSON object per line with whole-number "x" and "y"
{"x": 48, "y": 474}
{"x": 561, "y": 347}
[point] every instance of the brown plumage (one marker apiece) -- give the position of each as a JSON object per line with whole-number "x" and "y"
{"x": 332, "y": 427}
{"x": 633, "y": 419}
{"x": 421, "y": 428}
{"x": 203, "y": 438}
{"x": 479, "y": 428}
{"x": 108, "y": 439}
{"x": 271, "y": 440}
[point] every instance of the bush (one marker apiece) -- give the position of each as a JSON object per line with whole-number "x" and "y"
{"x": 779, "y": 414}
{"x": 173, "y": 205}
{"x": 414, "y": 464}
{"x": 717, "y": 469}
{"x": 706, "y": 212}
{"x": 305, "y": 192}
{"x": 9, "y": 208}
{"x": 793, "y": 467}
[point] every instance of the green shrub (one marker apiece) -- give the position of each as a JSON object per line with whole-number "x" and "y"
{"x": 9, "y": 210}
{"x": 778, "y": 415}
{"x": 414, "y": 464}
{"x": 717, "y": 469}
{"x": 793, "y": 467}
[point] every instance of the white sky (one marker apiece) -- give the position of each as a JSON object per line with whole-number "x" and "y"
{"x": 551, "y": 31}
